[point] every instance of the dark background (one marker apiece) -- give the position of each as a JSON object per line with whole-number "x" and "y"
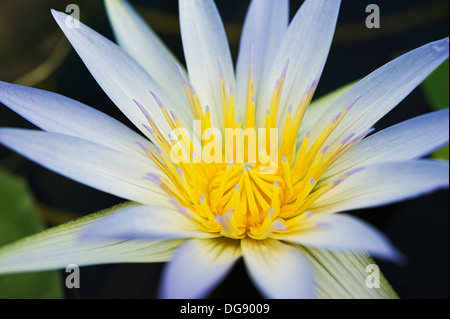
{"x": 29, "y": 35}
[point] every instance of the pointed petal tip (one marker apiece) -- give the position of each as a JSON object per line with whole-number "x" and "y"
{"x": 397, "y": 257}
{"x": 353, "y": 171}
{"x": 389, "y": 253}
{"x": 285, "y": 68}
{"x": 221, "y": 75}
{"x": 157, "y": 99}
{"x": 58, "y": 15}
{"x": 353, "y": 102}
{"x": 61, "y": 19}
{"x": 143, "y": 146}
{"x": 182, "y": 75}
{"x": 441, "y": 46}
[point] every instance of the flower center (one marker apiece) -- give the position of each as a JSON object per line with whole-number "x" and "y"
{"x": 258, "y": 186}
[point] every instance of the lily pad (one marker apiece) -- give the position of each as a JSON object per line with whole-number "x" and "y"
{"x": 19, "y": 218}
{"x": 436, "y": 87}
{"x": 436, "y": 90}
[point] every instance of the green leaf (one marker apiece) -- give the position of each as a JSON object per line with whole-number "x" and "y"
{"x": 436, "y": 91}
{"x": 441, "y": 154}
{"x": 436, "y": 87}
{"x": 343, "y": 276}
{"x": 57, "y": 247}
{"x": 18, "y": 218}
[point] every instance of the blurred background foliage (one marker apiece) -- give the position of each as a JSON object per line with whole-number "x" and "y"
{"x": 19, "y": 218}
{"x": 34, "y": 52}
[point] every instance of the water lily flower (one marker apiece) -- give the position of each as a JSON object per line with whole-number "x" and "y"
{"x": 204, "y": 214}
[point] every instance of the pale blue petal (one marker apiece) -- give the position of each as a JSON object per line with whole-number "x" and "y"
{"x": 144, "y": 222}
{"x": 197, "y": 267}
{"x": 137, "y": 39}
{"x": 382, "y": 90}
{"x": 385, "y": 183}
{"x": 306, "y": 44}
{"x": 264, "y": 28}
{"x": 205, "y": 44}
{"x": 337, "y": 232}
{"x": 408, "y": 140}
{"x": 89, "y": 163}
{"x": 121, "y": 77}
{"x": 59, "y": 114}
{"x": 278, "y": 270}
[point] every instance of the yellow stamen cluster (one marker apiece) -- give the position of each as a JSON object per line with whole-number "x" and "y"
{"x": 235, "y": 199}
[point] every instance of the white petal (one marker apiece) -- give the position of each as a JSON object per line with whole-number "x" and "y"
{"x": 198, "y": 266}
{"x": 385, "y": 183}
{"x": 382, "y": 90}
{"x": 61, "y": 246}
{"x": 343, "y": 233}
{"x": 138, "y": 40}
{"x": 278, "y": 270}
{"x": 120, "y": 76}
{"x": 264, "y": 28}
{"x": 306, "y": 44}
{"x": 144, "y": 222}
{"x": 92, "y": 164}
{"x": 205, "y": 45}
{"x": 408, "y": 140}
{"x": 59, "y": 114}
